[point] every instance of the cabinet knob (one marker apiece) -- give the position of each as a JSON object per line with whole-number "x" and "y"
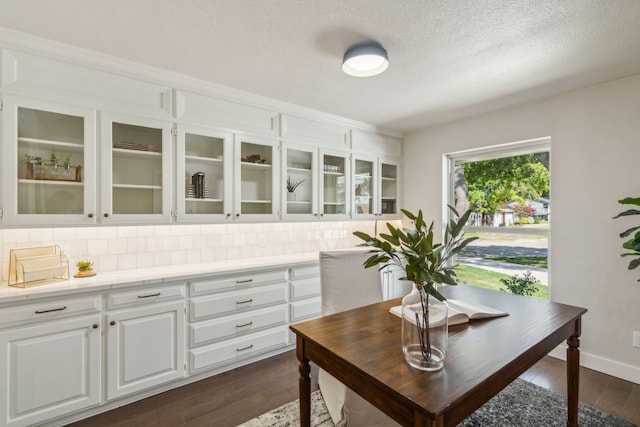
{"x": 106, "y": 215}
{"x": 95, "y": 326}
{"x": 228, "y": 215}
{"x": 237, "y": 215}
{"x": 90, "y": 215}
{"x": 322, "y": 214}
{"x": 113, "y": 322}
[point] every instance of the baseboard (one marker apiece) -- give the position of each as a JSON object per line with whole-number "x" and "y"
{"x": 602, "y": 364}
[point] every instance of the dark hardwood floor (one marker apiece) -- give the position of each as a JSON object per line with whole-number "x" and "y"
{"x": 231, "y": 398}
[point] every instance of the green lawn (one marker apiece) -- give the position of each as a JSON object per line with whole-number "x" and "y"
{"x": 490, "y": 280}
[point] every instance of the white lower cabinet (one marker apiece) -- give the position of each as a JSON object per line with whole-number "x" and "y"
{"x": 49, "y": 369}
{"x": 237, "y": 317}
{"x": 304, "y": 292}
{"x": 145, "y": 345}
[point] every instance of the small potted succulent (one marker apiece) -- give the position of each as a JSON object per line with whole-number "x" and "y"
{"x": 291, "y": 187}
{"x": 85, "y": 267}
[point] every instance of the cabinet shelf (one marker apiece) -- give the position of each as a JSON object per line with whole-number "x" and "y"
{"x": 255, "y": 201}
{"x": 138, "y": 187}
{"x": 302, "y": 202}
{"x": 255, "y": 166}
{"x": 333, "y": 173}
{"x": 132, "y": 154}
{"x": 334, "y": 203}
{"x": 388, "y": 198}
{"x": 193, "y": 199}
{"x": 34, "y": 142}
{"x": 388, "y": 178}
{"x": 50, "y": 182}
{"x": 299, "y": 170}
{"x": 203, "y": 159}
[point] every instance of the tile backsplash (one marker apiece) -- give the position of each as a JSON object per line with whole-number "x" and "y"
{"x": 128, "y": 247}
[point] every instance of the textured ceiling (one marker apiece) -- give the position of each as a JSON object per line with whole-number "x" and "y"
{"x": 448, "y": 59}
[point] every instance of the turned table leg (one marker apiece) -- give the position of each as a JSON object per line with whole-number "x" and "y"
{"x": 304, "y": 383}
{"x": 573, "y": 375}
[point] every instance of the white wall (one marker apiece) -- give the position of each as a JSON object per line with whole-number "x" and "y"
{"x": 595, "y": 160}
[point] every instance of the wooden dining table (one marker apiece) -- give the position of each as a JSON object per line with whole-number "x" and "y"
{"x": 362, "y": 348}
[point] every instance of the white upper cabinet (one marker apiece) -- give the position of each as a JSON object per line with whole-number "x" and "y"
{"x": 256, "y": 166}
{"x": 204, "y": 174}
{"x": 136, "y": 169}
{"x": 211, "y": 111}
{"x": 316, "y": 132}
{"x": 315, "y": 183}
{"x": 49, "y": 166}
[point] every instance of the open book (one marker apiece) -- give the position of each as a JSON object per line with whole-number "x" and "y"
{"x": 462, "y": 311}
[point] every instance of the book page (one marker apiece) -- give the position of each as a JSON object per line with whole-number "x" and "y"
{"x": 461, "y": 311}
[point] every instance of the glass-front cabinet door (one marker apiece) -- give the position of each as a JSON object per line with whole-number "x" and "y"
{"x": 135, "y": 169}
{"x": 204, "y": 174}
{"x": 256, "y": 179}
{"x": 334, "y": 186}
{"x": 389, "y": 187}
{"x": 48, "y": 163}
{"x": 364, "y": 188}
{"x": 299, "y": 182}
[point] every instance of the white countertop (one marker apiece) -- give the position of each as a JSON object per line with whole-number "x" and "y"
{"x": 145, "y": 276}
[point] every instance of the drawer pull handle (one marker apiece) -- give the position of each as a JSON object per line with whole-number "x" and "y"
{"x": 245, "y": 348}
{"x": 149, "y": 296}
{"x": 244, "y": 325}
{"x": 240, "y": 282}
{"x": 49, "y": 311}
{"x": 245, "y": 301}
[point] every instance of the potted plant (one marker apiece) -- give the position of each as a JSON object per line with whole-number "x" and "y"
{"x": 85, "y": 268}
{"x": 291, "y": 187}
{"x": 426, "y": 264}
{"x": 633, "y": 244}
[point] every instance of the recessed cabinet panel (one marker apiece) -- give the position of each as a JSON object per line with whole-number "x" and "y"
{"x": 324, "y": 134}
{"x": 49, "y": 162}
{"x": 49, "y": 369}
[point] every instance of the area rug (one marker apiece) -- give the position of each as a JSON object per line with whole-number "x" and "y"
{"x": 519, "y": 404}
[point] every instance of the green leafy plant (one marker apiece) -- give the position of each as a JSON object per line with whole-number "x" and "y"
{"x": 633, "y": 244}
{"x": 424, "y": 262}
{"x": 293, "y": 185}
{"x": 521, "y": 285}
{"x": 53, "y": 159}
{"x": 84, "y": 265}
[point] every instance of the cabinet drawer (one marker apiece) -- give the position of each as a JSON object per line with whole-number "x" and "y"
{"x": 238, "y": 348}
{"x": 143, "y": 296}
{"x": 306, "y": 309}
{"x": 236, "y": 282}
{"x": 305, "y": 288}
{"x": 215, "y": 305}
{"x": 237, "y": 324}
{"x": 47, "y": 310}
{"x": 305, "y": 271}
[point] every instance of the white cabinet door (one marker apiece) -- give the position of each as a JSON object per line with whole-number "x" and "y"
{"x": 204, "y": 177}
{"x": 365, "y": 188}
{"x": 48, "y": 370}
{"x": 145, "y": 347}
{"x": 335, "y": 185}
{"x": 49, "y": 166}
{"x": 256, "y": 178}
{"x": 389, "y": 185}
{"x": 299, "y": 182}
{"x": 136, "y": 169}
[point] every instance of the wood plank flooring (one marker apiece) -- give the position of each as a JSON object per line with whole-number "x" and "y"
{"x": 231, "y": 398}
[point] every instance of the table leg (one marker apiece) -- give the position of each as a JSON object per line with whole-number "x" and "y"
{"x": 573, "y": 375}
{"x": 304, "y": 384}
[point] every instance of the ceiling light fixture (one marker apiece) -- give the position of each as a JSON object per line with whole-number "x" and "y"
{"x": 365, "y": 60}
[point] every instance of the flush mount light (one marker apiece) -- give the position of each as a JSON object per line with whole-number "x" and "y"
{"x": 365, "y": 60}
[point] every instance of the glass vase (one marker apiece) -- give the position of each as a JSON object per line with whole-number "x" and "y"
{"x": 424, "y": 330}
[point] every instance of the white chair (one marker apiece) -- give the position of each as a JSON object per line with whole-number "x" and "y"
{"x": 346, "y": 284}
